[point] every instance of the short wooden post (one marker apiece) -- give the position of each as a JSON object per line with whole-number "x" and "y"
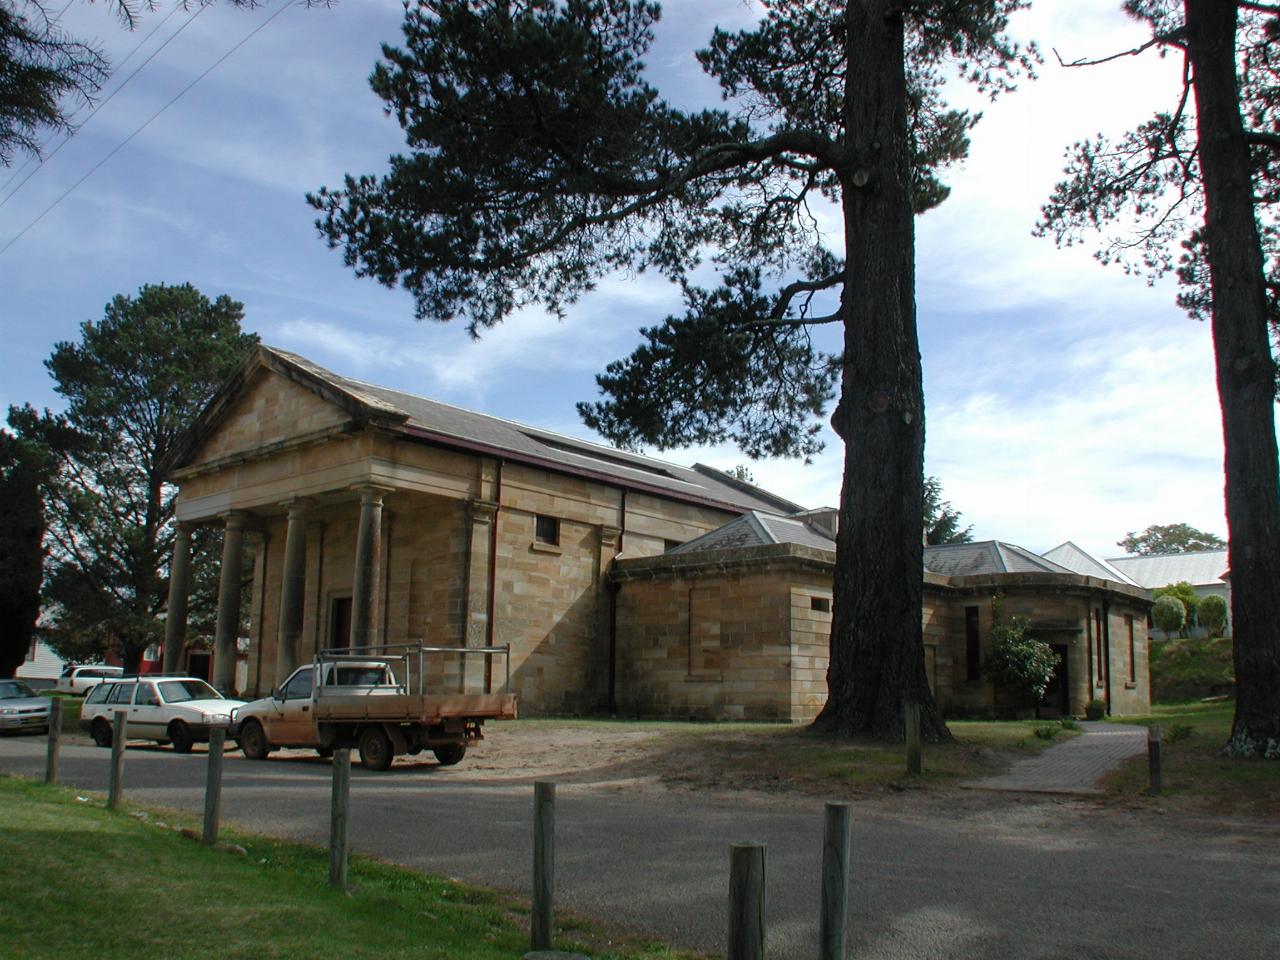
{"x": 835, "y": 881}
{"x": 55, "y": 739}
{"x": 213, "y": 785}
{"x": 913, "y": 737}
{"x": 119, "y": 731}
{"x": 1155, "y": 770}
{"x": 746, "y": 901}
{"x": 338, "y": 818}
{"x": 544, "y": 865}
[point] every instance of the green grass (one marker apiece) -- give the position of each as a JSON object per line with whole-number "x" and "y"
{"x": 1196, "y": 777}
{"x": 83, "y": 882}
{"x": 1184, "y": 670}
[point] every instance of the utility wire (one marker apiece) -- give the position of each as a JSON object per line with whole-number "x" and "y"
{"x": 146, "y": 123}
{"x": 42, "y": 160}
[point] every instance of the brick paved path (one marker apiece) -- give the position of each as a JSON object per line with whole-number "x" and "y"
{"x": 1074, "y": 766}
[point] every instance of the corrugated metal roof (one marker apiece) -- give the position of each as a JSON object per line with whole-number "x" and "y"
{"x": 1082, "y": 562}
{"x": 443, "y": 422}
{"x": 1203, "y": 568}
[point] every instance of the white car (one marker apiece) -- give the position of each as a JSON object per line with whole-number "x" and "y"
{"x": 79, "y": 679}
{"x": 177, "y": 710}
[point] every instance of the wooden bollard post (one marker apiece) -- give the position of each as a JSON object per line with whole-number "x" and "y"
{"x": 835, "y": 881}
{"x": 55, "y": 739}
{"x": 913, "y": 737}
{"x": 1155, "y": 770}
{"x": 338, "y": 818}
{"x": 544, "y": 865}
{"x": 746, "y": 901}
{"x": 119, "y": 731}
{"x": 213, "y": 786}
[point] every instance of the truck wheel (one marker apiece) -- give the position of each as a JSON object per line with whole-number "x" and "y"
{"x": 180, "y": 737}
{"x": 447, "y": 756}
{"x": 324, "y": 752}
{"x": 101, "y": 733}
{"x": 375, "y": 749}
{"x": 253, "y": 741}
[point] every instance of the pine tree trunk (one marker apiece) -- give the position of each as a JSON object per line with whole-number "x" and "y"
{"x": 877, "y": 648}
{"x": 1246, "y": 381}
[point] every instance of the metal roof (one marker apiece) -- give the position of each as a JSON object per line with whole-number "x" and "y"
{"x": 1200, "y": 569}
{"x": 1081, "y": 561}
{"x": 433, "y": 422}
{"x": 756, "y": 529}
{"x": 984, "y": 557}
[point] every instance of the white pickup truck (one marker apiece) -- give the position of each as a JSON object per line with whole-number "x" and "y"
{"x": 385, "y": 701}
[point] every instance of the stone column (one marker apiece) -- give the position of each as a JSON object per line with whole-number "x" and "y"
{"x": 175, "y": 617}
{"x": 228, "y": 626}
{"x": 364, "y": 586}
{"x": 293, "y": 589}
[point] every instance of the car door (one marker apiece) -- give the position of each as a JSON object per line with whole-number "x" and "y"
{"x": 291, "y": 720}
{"x": 119, "y": 700}
{"x": 145, "y": 720}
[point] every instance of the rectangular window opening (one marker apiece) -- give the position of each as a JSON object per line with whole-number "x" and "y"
{"x": 1133, "y": 650}
{"x": 821, "y": 604}
{"x": 546, "y": 530}
{"x": 972, "y": 645}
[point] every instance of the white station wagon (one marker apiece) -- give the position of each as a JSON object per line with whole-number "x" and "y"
{"x": 176, "y": 710}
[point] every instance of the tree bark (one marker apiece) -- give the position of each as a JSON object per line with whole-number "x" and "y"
{"x": 1246, "y": 378}
{"x": 877, "y": 648}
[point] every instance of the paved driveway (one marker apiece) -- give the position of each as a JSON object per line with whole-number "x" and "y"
{"x": 990, "y": 880}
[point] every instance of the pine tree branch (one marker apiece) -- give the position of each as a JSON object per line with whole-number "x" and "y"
{"x": 1174, "y": 38}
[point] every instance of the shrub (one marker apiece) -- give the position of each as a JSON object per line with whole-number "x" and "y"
{"x": 1068, "y": 723}
{"x": 1179, "y": 732}
{"x": 1019, "y": 662}
{"x": 1213, "y": 614}
{"x": 1169, "y": 614}
{"x": 1187, "y": 594}
{"x": 1047, "y": 731}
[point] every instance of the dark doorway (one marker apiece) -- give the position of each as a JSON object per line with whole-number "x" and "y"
{"x": 1057, "y": 696}
{"x": 198, "y": 665}
{"x": 339, "y": 622}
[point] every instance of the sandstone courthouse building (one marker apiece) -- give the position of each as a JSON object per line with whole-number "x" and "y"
{"x": 620, "y": 582}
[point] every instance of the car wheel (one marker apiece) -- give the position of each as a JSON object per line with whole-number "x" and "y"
{"x": 101, "y": 733}
{"x": 253, "y": 741}
{"x": 180, "y": 737}
{"x": 451, "y": 754}
{"x": 375, "y": 749}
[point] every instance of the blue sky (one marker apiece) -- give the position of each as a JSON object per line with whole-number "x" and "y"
{"x": 1064, "y": 400}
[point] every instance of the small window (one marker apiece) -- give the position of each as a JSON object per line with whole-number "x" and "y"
{"x": 299, "y": 685}
{"x": 972, "y": 645}
{"x": 121, "y": 692}
{"x": 152, "y": 653}
{"x": 1133, "y": 650}
{"x": 98, "y": 694}
{"x": 546, "y": 530}
{"x": 821, "y": 604}
{"x": 670, "y": 544}
{"x": 146, "y": 696}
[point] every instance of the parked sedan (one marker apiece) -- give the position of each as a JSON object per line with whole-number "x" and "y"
{"x": 177, "y": 710}
{"x": 21, "y": 708}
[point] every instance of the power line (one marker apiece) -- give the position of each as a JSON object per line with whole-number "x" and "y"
{"x": 41, "y": 161}
{"x": 146, "y": 123}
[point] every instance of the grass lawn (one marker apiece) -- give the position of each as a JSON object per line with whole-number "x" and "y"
{"x": 1196, "y": 778}
{"x": 81, "y": 882}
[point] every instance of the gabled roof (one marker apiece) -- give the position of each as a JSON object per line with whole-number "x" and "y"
{"x": 1081, "y": 561}
{"x": 1200, "y": 569}
{"x": 756, "y": 529}
{"x": 441, "y": 424}
{"x": 985, "y": 557}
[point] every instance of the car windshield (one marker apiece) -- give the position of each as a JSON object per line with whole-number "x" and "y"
{"x": 13, "y": 689}
{"x": 176, "y": 691}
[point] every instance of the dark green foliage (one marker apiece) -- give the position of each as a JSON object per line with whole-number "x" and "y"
{"x": 1169, "y": 614}
{"x": 1018, "y": 662}
{"x": 539, "y": 159}
{"x": 1170, "y": 538}
{"x": 1191, "y": 669}
{"x": 132, "y": 384}
{"x": 1212, "y": 614}
{"x": 22, "y": 469}
{"x": 1184, "y": 592}
{"x": 941, "y": 520}
{"x": 41, "y": 73}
